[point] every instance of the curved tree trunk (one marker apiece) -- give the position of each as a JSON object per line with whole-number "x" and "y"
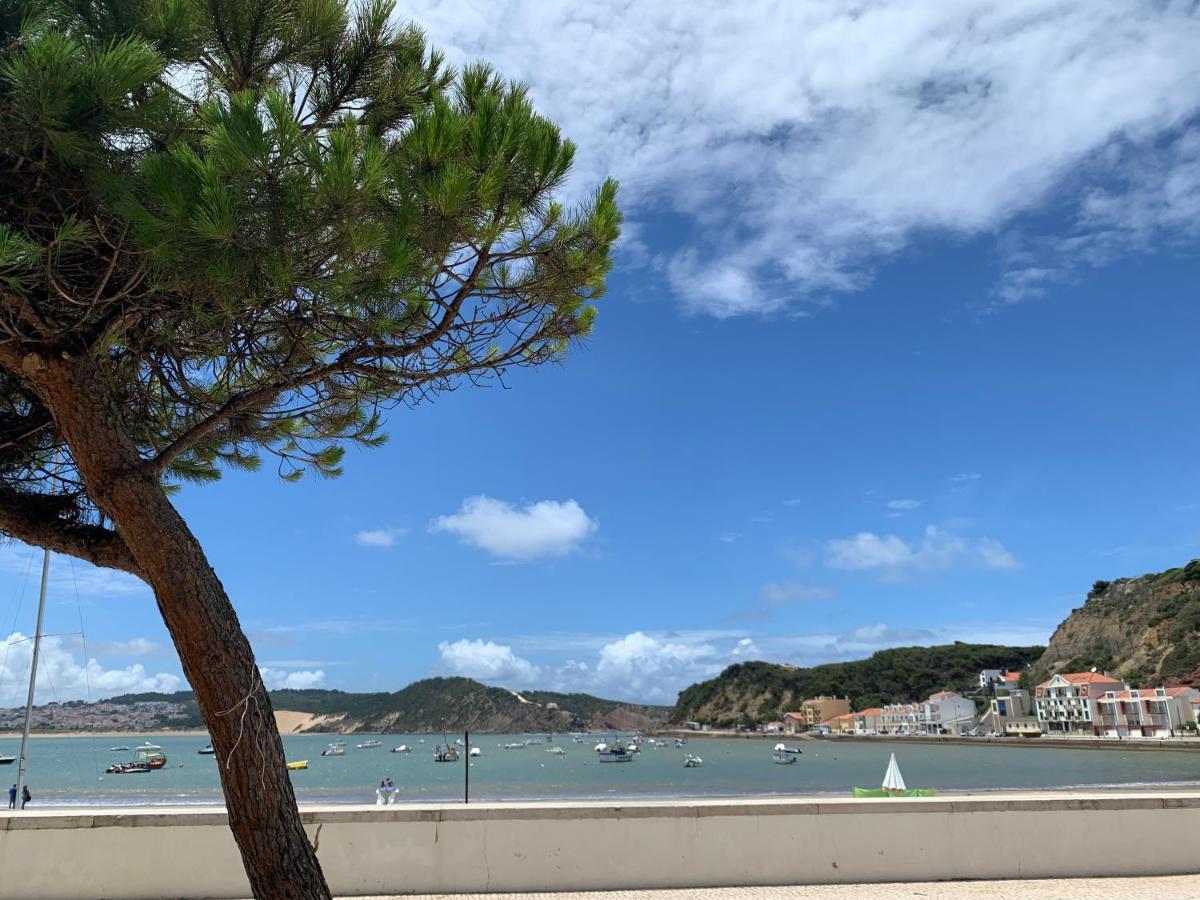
{"x": 216, "y": 656}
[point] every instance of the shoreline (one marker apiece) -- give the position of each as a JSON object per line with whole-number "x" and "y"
{"x": 1189, "y": 744}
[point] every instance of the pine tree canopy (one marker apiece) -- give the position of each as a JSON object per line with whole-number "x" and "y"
{"x": 267, "y": 221}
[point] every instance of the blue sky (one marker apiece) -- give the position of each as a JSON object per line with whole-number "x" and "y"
{"x": 899, "y": 348}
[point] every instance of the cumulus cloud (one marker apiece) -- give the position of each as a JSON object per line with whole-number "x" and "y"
{"x": 654, "y": 668}
{"x": 379, "y": 537}
{"x": 63, "y": 677}
{"x": 548, "y": 528}
{"x": 937, "y": 549}
{"x": 487, "y": 661}
{"x": 276, "y": 679}
{"x": 138, "y": 646}
{"x": 954, "y": 117}
{"x": 69, "y": 576}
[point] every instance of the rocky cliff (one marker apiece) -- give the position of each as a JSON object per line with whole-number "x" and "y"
{"x": 1144, "y": 630}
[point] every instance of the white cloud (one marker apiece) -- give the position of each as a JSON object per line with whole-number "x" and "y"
{"x": 937, "y": 549}
{"x": 965, "y": 476}
{"x": 488, "y": 661}
{"x": 62, "y": 677}
{"x": 68, "y": 575}
{"x": 780, "y": 593}
{"x": 547, "y": 528}
{"x": 745, "y": 649}
{"x": 138, "y": 646}
{"x": 652, "y": 668}
{"x": 903, "y": 504}
{"x": 276, "y": 679}
{"x": 953, "y": 117}
{"x": 379, "y": 537}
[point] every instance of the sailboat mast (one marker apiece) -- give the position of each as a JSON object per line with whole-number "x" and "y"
{"x": 37, "y": 649}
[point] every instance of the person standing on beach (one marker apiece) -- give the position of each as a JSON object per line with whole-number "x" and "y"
{"x": 12, "y": 797}
{"x": 25, "y": 795}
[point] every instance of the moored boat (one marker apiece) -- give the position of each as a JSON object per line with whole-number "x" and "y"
{"x": 619, "y": 753}
{"x": 692, "y": 762}
{"x": 337, "y": 748}
{"x": 783, "y": 758}
{"x": 403, "y": 748}
{"x": 206, "y": 751}
{"x": 368, "y": 745}
{"x": 445, "y": 753}
{"x": 297, "y": 765}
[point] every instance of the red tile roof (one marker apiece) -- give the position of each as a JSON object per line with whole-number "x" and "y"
{"x": 1085, "y": 678}
{"x": 1012, "y": 676}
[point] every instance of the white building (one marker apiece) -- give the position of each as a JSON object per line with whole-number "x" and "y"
{"x": 944, "y": 713}
{"x": 990, "y": 677}
{"x": 1145, "y": 712}
{"x": 1067, "y": 703}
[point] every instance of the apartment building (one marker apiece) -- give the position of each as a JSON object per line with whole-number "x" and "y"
{"x": 1145, "y": 712}
{"x": 1068, "y": 702}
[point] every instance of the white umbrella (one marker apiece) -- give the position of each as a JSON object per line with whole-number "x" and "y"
{"x": 892, "y": 779}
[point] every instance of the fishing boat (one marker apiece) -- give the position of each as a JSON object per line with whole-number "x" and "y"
{"x": 368, "y": 745}
{"x": 151, "y": 756}
{"x": 445, "y": 753}
{"x": 206, "y": 751}
{"x": 616, "y": 754}
{"x": 403, "y": 748}
{"x": 127, "y": 769}
{"x": 297, "y": 765}
{"x": 337, "y": 748}
{"x": 692, "y": 762}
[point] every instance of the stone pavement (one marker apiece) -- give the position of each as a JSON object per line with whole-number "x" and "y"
{"x": 1178, "y": 887}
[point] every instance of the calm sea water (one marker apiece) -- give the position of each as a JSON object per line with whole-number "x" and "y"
{"x": 70, "y": 771}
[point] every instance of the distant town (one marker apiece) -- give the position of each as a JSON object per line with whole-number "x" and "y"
{"x": 1092, "y": 704}
{"x": 105, "y": 715}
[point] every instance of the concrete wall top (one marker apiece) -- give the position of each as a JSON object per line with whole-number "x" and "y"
{"x": 607, "y": 810}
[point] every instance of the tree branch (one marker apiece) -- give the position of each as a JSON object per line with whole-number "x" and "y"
{"x": 34, "y": 519}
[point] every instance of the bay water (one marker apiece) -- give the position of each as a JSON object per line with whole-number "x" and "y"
{"x": 70, "y": 771}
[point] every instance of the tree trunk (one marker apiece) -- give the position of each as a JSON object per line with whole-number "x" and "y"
{"x": 215, "y": 654}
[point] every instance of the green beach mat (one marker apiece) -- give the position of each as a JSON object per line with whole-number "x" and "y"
{"x": 880, "y": 792}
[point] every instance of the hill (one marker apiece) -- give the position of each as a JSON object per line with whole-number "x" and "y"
{"x": 761, "y": 691}
{"x": 1145, "y": 630}
{"x": 451, "y": 703}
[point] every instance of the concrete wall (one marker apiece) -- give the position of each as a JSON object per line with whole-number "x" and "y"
{"x": 511, "y": 847}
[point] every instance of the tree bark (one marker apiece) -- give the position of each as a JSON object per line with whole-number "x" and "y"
{"x": 216, "y": 656}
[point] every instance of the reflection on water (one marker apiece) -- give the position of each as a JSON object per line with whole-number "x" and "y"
{"x": 70, "y": 771}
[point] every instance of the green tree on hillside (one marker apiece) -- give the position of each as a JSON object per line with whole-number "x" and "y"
{"x": 238, "y": 229}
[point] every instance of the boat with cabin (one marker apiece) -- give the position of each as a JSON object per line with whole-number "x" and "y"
{"x": 692, "y": 761}
{"x": 337, "y": 748}
{"x": 616, "y": 754}
{"x": 369, "y": 745}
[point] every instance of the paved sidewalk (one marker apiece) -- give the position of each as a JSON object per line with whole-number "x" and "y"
{"x": 1178, "y": 887}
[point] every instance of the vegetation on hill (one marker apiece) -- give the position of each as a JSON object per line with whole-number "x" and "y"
{"x": 1145, "y": 630}
{"x": 753, "y": 692}
{"x": 451, "y": 703}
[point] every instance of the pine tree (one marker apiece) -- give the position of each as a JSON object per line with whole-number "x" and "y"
{"x": 233, "y": 230}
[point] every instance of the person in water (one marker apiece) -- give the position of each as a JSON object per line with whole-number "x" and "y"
{"x": 25, "y": 796}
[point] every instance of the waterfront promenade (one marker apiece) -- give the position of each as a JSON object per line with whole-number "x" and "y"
{"x": 1179, "y": 887}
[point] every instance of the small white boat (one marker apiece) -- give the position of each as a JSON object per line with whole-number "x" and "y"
{"x": 615, "y": 755}
{"x": 147, "y": 746}
{"x": 783, "y": 759}
{"x": 7, "y": 760}
{"x": 692, "y": 762}
{"x": 557, "y": 751}
{"x": 403, "y": 748}
{"x": 334, "y": 749}
{"x": 206, "y": 751}
{"x": 601, "y": 747}
{"x": 784, "y": 748}
{"x": 514, "y": 746}
{"x": 368, "y": 745}
{"x": 118, "y": 749}
{"x": 475, "y": 751}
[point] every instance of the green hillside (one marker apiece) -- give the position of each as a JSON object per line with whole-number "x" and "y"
{"x": 761, "y": 691}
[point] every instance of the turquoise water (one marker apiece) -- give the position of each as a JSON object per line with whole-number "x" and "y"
{"x": 70, "y": 771}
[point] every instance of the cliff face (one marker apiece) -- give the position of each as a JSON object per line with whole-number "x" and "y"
{"x": 1144, "y": 630}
